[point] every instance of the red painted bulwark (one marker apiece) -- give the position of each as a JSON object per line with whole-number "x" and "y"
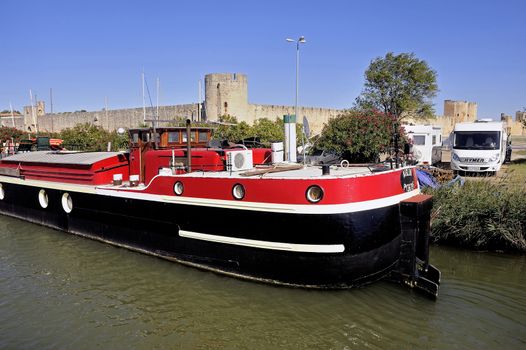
{"x": 290, "y": 191}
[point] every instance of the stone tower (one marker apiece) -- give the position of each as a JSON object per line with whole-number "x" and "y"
{"x": 29, "y": 118}
{"x": 460, "y": 111}
{"x": 520, "y": 116}
{"x": 226, "y": 93}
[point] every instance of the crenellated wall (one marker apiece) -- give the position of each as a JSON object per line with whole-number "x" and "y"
{"x": 114, "y": 119}
{"x": 315, "y": 115}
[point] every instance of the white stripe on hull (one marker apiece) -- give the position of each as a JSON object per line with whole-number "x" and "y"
{"x": 292, "y": 247}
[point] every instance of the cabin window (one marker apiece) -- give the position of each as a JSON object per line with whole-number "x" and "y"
{"x": 135, "y": 137}
{"x": 203, "y": 136}
{"x": 434, "y": 139}
{"x": 145, "y": 137}
{"x": 419, "y": 140}
{"x": 192, "y": 135}
{"x": 173, "y": 136}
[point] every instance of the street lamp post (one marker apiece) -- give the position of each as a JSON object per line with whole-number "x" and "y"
{"x": 300, "y": 40}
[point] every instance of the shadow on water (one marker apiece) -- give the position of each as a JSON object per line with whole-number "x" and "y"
{"x": 58, "y": 290}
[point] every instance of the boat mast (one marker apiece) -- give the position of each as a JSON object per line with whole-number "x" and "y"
{"x": 143, "y": 100}
{"x": 12, "y": 114}
{"x": 158, "y": 88}
{"x": 199, "y": 101}
{"x": 33, "y": 114}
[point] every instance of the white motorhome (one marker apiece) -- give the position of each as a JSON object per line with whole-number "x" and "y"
{"x": 426, "y": 141}
{"x": 479, "y": 146}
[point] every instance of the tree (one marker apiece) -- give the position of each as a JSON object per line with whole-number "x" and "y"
{"x": 8, "y": 133}
{"x": 358, "y": 136}
{"x": 7, "y": 111}
{"x": 229, "y": 129}
{"x": 265, "y": 129}
{"x": 89, "y": 137}
{"x": 269, "y": 131}
{"x": 399, "y": 85}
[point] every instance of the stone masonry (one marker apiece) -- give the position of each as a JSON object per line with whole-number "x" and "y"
{"x": 225, "y": 94}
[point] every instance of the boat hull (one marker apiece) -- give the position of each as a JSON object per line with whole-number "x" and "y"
{"x": 338, "y": 250}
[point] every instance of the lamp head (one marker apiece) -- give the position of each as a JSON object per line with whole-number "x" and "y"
{"x": 302, "y": 39}
{"x": 289, "y": 40}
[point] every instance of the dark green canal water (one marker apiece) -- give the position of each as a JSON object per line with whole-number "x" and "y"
{"x": 62, "y": 291}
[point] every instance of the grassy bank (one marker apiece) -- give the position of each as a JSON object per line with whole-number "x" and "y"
{"x": 484, "y": 214}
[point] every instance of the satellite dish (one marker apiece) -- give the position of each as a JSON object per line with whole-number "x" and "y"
{"x": 306, "y": 128}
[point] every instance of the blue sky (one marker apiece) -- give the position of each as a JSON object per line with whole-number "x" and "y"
{"x": 89, "y": 50}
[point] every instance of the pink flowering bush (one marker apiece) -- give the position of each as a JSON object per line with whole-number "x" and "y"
{"x": 359, "y": 136}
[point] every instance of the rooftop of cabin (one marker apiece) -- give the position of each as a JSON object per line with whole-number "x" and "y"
{"x": 63, "y": 157}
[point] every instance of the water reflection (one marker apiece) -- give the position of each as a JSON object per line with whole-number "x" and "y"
{"x": 58, "y": 290}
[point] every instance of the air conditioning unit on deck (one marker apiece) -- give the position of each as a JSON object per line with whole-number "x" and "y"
{"x": 239, "y": 160}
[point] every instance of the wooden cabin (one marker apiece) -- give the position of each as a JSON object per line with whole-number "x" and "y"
{"x": 171, "y": 137}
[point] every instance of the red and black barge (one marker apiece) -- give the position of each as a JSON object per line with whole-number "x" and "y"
{"x": 231, "y": 210}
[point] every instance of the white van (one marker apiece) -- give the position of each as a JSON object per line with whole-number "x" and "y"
{"x": 479, "y": 146}
{"x": 426, "y": 141}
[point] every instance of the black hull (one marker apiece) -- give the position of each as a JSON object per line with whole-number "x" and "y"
{"x": 371, "y": 238}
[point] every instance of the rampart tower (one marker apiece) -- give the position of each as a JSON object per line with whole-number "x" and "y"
{"x": 226, "y": 93}
{"x": 460, "y": 111}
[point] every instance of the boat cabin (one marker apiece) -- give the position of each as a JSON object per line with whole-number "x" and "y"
{"x": 170, "y": 152}
{"x": 171, "y": 137}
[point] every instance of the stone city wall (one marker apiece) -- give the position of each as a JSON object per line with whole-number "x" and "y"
{"x": 133, "y": 117}
{"x": 8, "y": 121}
{"x": 316, "y": 116}
{"x": 517, "y": 129}
{"x": 114, "y": 119}
{"x": 447, "y": 124}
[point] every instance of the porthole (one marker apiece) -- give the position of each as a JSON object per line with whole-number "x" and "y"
{"x": 178, "y": 188}
{"x": 2, "y": 193}
{"x": 314, "y": 194}
{"x": 238, "y": 191}
{"x": 67, "y": 203}
{"x": 43, "y": 199}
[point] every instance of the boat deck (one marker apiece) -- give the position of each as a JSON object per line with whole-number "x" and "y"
{"x": 308, "y": 171}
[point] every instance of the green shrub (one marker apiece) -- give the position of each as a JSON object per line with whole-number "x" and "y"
{"x": 358, "y": 136}
{"x": 89, "y": 137}
{"x": 8, "y": 133}
{"x": 481, "y": 215}
{"x": 265, "y": 129}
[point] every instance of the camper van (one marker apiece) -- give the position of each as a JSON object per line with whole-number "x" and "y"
{"x": 479, "y": 146}
{"x": 426, "y": 142}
